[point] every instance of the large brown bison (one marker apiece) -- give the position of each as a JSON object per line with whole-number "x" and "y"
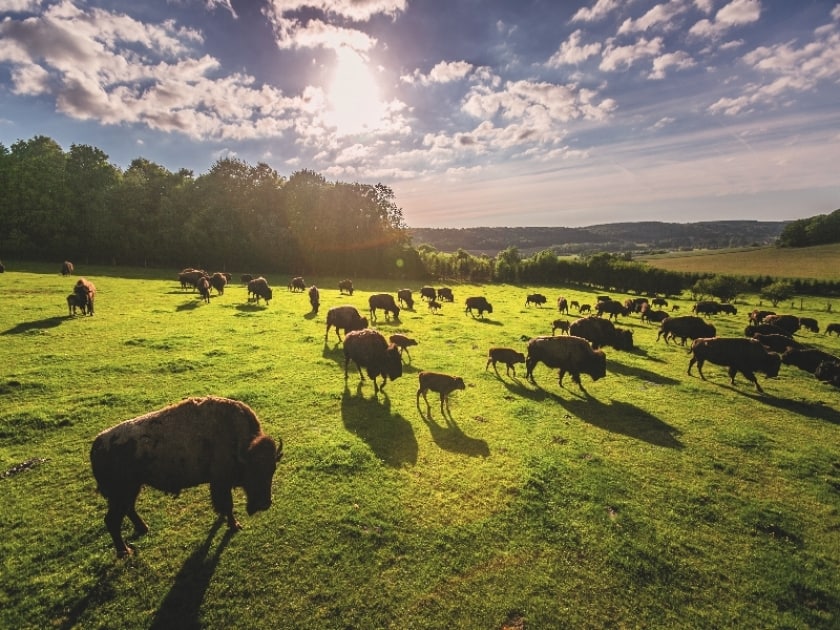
{"x": 297, "y": 284}
{"x": 368, "y": 349}
{"x": 314, "y": 298}
{"x": 445, "y": 294}
{"x": 480, "y": 304}
{"x": 807, "y": 359}
{"x": 218, "y": 281}
{"x": 405, "y": 299}
{"x": 86, "y": 293}
{"x": 685, "y": 327}
{"x": 346, "y": 318}
{"x": 345, "y": 286}
{"x": 613, "y": 308}
{"x": 203, "y": 286}
{"x": 385, "y": 302}
{"x": 601, "y": 332}
{"x": 66, "y": 268}
{"x": 568, "y": 354}
{"x": 258, "y": 287}
{"x": 739, "y": 354}
{"x": 189, "y": 277}
{"x": 196, "y": 441}
{"x": 789, "y": 323}
{"x": 535, "y": 298}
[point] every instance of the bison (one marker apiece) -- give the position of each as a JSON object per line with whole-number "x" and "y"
{"x": 74, "y": 301}
{"x": 66, "y": 268}
{"x": 314, "y": 298}
{"x": 478, "y": 303}
{"x": 434, "y": 306}
{"x": 535, "y": 298}
{"x": 613, "y": 308}
{"x": 85, "y": 292}
{"x": 297, "y": 284}
{"x": 833, "y": 328}
{"x": 189, "y": 277}
{"x": 368, "y": 348}
{"x": 445, "y": 294}
{"x": 789, "y": 323}
{"x": 443, "y": 384}
{"x": 739, "y": 354}
{"x": 568, "y": 354}
{"x": 828, "y": 372}
{"x": 775, "y": 342}
{"x": 218, "y": 281}
{"x": 385, "y": 302}
{"x": 562, "y": 324}
{"x": 196, "y": 441}
{"x": 562, "y": 305}
{"x": 706, "y": 307}
{"x": 660, "y": 302}
{"x": 810, "y": 324}
{"x": 403, "y": 343}
{"x": 601, "y": 332}
{"x": 345, "y": 286}
{"x": 203, "y": 286}
{"x": 428, "y": 293}
{"x": 685, "y": 327}
{"x": 346, "y": 318}
{"x": 806, "y": 358}
{"x": 405, "y": 299}
{"x": 764, "y": 329}
{"x": 258, "y": 287}
{"x": 729, "y": 309}
{"x": 508, "y": 356}
{"x": 245, "y": 278}
{"x": 656, "y": 317}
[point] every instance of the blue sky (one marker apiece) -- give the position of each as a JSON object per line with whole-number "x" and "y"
{"x": 476, "y": 113}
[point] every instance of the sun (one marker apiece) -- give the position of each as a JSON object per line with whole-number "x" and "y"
{"x": 353, "y": 95}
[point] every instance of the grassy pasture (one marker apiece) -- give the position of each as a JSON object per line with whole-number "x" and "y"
{"x": 821, "y": 262}
{"x": 657, "y": 500}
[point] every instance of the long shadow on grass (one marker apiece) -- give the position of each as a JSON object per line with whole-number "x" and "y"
{"x": 39, "y": 324}
{"x": 189, "y": 306}
{"x": 102, "y": 591}
{"x": 809, "y": 410}
{"x": 450, "y": 437}
{"x": 181, "y": 606}
{"x": 636, "y": 372}
{"x": 389, "y": 436}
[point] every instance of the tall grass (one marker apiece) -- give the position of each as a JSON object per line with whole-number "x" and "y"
{"x": 655, "y": 500}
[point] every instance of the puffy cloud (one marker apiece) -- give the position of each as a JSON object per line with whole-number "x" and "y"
{"x": 736, "y": 13}
{"x": 617, "y": 57}
{"x": 679, "y": 60}
{"x": 573, "y": 51}
{"x": 358, "y": 10}
{"x": 600, "y": 10}
{"x": 661, "y": 15}
{"x": 442, "y": 72}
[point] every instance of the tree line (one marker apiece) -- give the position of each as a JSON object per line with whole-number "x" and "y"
{"x": 817, "y": 230}
{"x": 76, "y": 205}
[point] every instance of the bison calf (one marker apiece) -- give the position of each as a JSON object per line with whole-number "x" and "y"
{"x": 508, "y": 356}
{"x": 403, "y": 343}
{"x": 196, "y": 441}
{"x": 443, "y": 384}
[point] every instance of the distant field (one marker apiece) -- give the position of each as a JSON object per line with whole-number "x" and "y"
{"x": 821, "y": 262}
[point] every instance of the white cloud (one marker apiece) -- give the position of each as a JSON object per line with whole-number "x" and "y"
{"x": 573, "y": 52}
{"x": 600, "y": 10}
{"x": 19, "y": 6}
{"x": 736, "y": 13}
{"x": 442, "y": 72}
{"x": 679, "y": 60}
{"x": 661, "y": 15}
{"x": 617, "y": 57}
{"x": 358, "y": 10}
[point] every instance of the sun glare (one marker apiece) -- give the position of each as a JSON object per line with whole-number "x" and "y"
{"x": 353, "y": 95}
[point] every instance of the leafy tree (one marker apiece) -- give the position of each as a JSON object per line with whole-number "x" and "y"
{"x": 778, "y": 291}
{"x": 725, "y": 288}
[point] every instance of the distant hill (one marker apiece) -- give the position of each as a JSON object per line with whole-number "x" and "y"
{"x": 609, "y": 237}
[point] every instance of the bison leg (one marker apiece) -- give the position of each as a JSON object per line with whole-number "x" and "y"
{"x": 220, "y": 495}
{"x": 699, "y": 363}
{"x": 750, "y": 377}
{"x": 510, "y": 366}
{"x": 443, "y": 399}
{"x": 119, "y": 508}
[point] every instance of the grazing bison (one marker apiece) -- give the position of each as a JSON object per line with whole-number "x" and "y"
{"x": 828, "y": 372}
{"x": 508, "y": 356}
{"x": 685, "y": 327}
{"x": 385, "y": 302}
{"x": 314, "y": 298}
{"x": 585, "y": 308}
{"x": 757, "y": 316}
{"x": 535, "y": 298}
{"x": 196, "y": 441}
{"x": 85, "y": 292}
{"x": 613, "y": 309}
{"x": 443, "y": 384}
{"x": 368, "y": 349}
{"x": 434, "y": 306}
{"x": 480, "y": 304}
{"x": 189, "y": 277}
{"x": 789, "y": 323}
{"x": 568, "y": 354}
{"x": 764, "y": 329}
{"x": 729, "y": 309}
{"x": 833, "y": 328}
{"x": 346, "y": 318}
{"x": 403, "y": 343}
{"x": 660, "y": 302}
{"x": 218, "y": 281}
{"x": 445, "y": 294}
{"x": 562, "y": 324}
{"x": 636, "y": 305}
{"x": 810, "y": 324}
{"x": 601, "y": 332}
{"x": 739, "y": 354}
{"x": 203, "y": 286}
{"x": 776, "y": 343}
{"x": 297, "y": 284}
{"x": 405, "y": 299}
{"x": 245, "y": 278}
{"x": 66, "y": 268}
{"x": 574, "y": 304}
{"x": 806, "y": 358}
{"x": 258, "y": 287}
{"x": 74, "y": 301}
{"x": 345, "y": 286}
{"x": 706, "y": 307}
{"x": 428, "y": 293}
{"x": 563, "y": 305}
{"x": 656, "y": 317}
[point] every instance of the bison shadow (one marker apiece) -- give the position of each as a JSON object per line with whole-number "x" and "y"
{"x": 451, "y": 437}
{"x": 818, "y": 410}
{"x": 40, "y": 324}
{"x": 627, "y": 419}
{"x": 182, "y": 605}
{"x": 188, "y": 306}
{"x": 334, "y": 353}
{"x": 538, "y": 394}
{"x": 251, "y": 307}
{"x": 645, "y": 375}
{"x": 489, "y": 322}
{"x": 311, "y": 315}
{"x": 388, "y": 435}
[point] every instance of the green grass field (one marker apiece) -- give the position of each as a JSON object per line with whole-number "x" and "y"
{"x": 658, "y": 500}
{"x": 821, "y": 262}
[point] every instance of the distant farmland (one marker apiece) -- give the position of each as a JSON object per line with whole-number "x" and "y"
{"x": 820, "y": 262}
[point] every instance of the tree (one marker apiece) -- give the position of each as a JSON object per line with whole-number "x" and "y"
{"x": 778, "y": 291}
{"x": 725, "y": 288}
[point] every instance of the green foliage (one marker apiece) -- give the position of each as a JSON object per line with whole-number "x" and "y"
{"x": 724, "y": 287}
{"x": 817, "y": 230}
{"x": 655, "y": 498}
{"x": 778, "y": 291}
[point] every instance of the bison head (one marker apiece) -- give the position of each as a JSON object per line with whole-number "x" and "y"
{"x": 393, "y": 362}
{"x": 623, "y": 339}
{"x": 259, "y": 463}
{"x": 597, "y": 365}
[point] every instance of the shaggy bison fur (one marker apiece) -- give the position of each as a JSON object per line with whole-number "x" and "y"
{"x": 368, "y": 349}
{"x": 85, "y": 292}
{"x": 258, "y": 287}
{"x": 685, "y": 327}
{"x": 739, "y": 354}
{"x": 480, "y": 304}
{"x": 567, "y": 354}
{"x": 385, "y": 302}
{"x": 405, "y": 299}
{"x": 346, "y": 318}
{"x": 345, "y": 286}
{"x": 601, "y": 332}
{"x": 196, "y": 441}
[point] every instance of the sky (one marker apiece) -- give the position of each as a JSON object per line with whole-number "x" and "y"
{"x": 474, "y": 112}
